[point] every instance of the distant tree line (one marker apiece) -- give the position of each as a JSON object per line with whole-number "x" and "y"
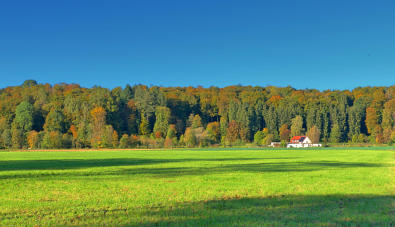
{"x": 69, "y": 116}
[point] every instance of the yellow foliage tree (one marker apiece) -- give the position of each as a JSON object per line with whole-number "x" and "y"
{"x": 32, "y": 139}
{"x": 98, "y": 115}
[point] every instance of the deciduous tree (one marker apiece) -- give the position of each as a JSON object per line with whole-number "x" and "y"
{"x": 162, "y": 120}
{"x": 33, "y": 139}
{"x": 284, "y": 132}
{"x": 314, "y": 134}
{"x": 297, "y": 126}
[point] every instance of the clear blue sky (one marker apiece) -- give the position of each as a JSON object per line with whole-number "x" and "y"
{"x": 306, "y": 44}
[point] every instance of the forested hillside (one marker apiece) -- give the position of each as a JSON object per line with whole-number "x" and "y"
{"x": 69, "y": 116}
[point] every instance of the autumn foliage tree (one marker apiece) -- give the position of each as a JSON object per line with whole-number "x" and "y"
{"x": 98, "y": 115}
{"x": 213, "y": 132}
{"x": 371, "y": 119}
{"x": 33, "y": 139}
{"x": 190, "y": 137}
{"x": 314, "y": 134}
{"x": 68, "y": 115}
{"x": 284, "y": 133}
{"x": 171, "y": 136}
{"x": 233, "y": 131}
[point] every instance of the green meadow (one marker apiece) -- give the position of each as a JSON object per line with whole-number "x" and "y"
{"x": 199, "y": 187}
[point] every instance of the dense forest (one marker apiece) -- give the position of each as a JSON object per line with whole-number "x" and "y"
{"x": 69, "y": 116}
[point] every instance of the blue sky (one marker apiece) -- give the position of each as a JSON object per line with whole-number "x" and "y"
{"x": 304, "y": 44}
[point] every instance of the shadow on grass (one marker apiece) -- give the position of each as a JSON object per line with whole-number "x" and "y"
{"x": 248, "y": 167}
{"x": 287, "y": 210}
{"x": 63, "y": 164}
{"x": 133, "y": 167}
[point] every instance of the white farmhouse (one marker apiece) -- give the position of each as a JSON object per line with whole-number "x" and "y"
{"x": 302, "y": 141}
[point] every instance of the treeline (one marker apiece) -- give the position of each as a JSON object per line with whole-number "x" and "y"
{"x": 69, "y": 116}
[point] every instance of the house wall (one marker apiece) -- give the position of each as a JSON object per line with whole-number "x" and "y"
{"x": 301, "y": 145}
{"x": 307, "y": 140}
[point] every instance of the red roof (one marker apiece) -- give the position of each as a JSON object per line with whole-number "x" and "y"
{"x": 297, "y": 139}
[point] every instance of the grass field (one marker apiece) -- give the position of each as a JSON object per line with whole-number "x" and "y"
{"x": 237, "y": 187}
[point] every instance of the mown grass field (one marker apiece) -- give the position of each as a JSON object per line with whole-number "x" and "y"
{"x": 222, "y": 187}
